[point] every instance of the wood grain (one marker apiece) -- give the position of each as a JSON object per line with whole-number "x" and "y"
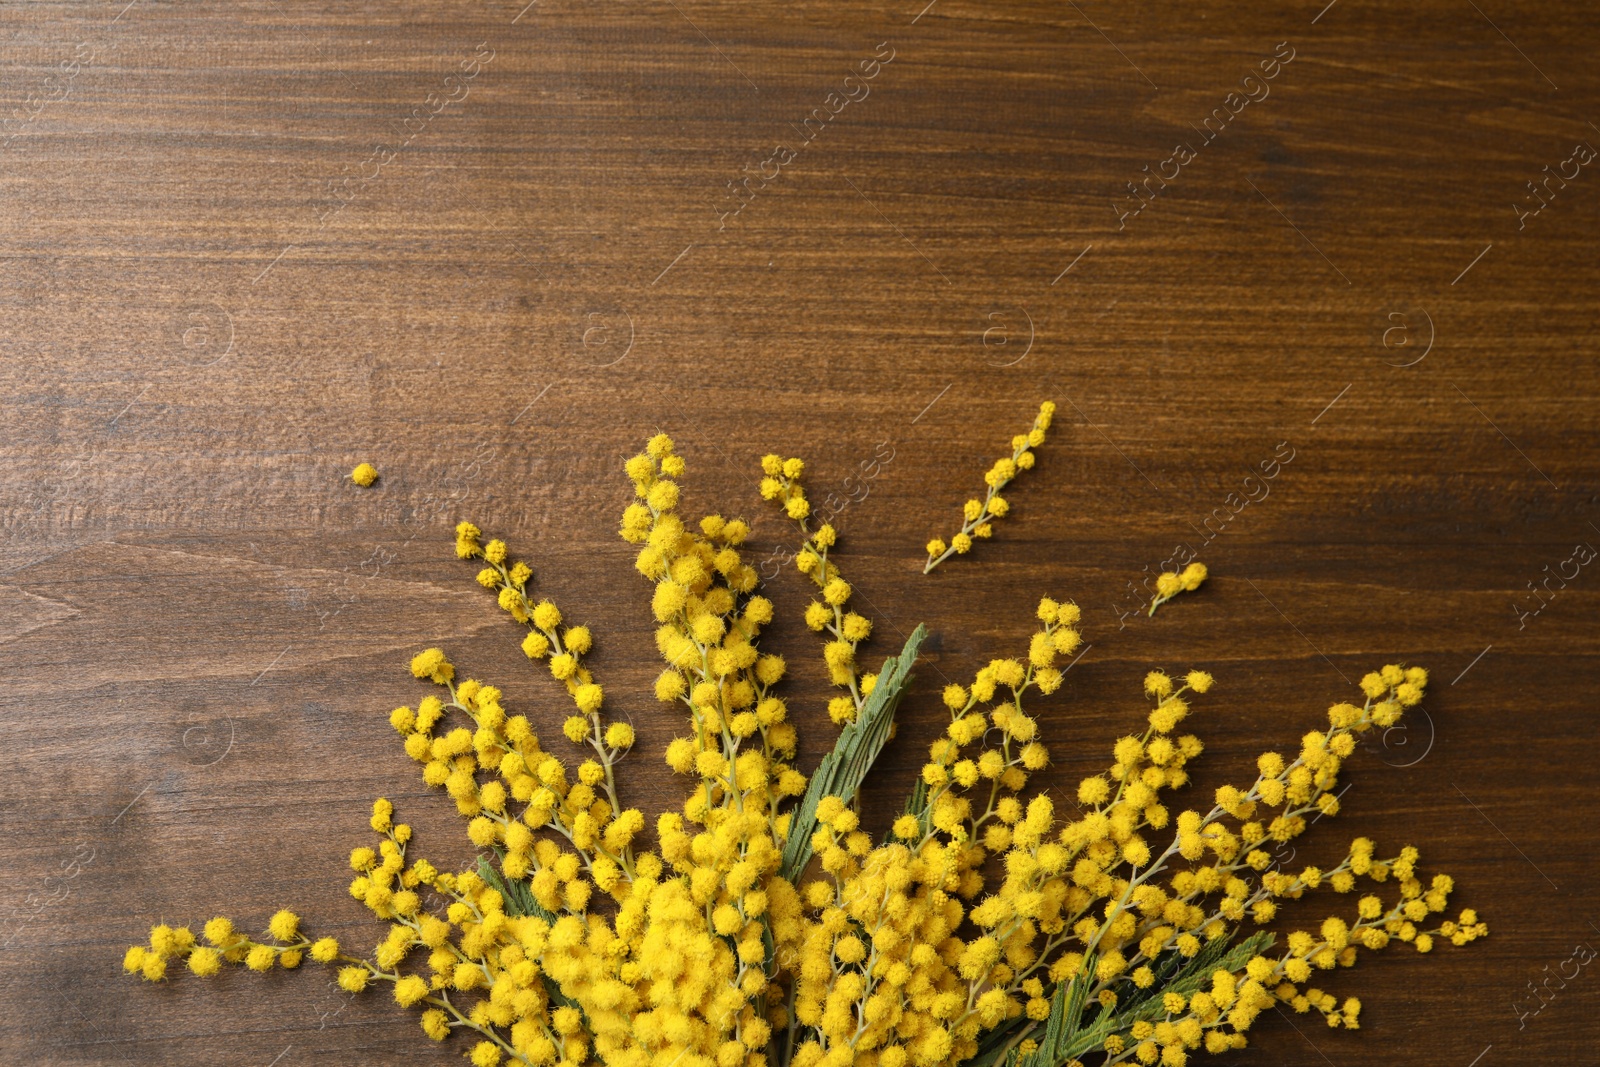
{"x": 247, "y": 246}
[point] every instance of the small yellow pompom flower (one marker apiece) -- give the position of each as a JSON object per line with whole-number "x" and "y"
{"x": 364, "y": 474}
{"x": 409, "y": 990}
{"x": 219, "y": 931}
{"x": 205, "y": 962}
{"x": 325, "y": 950}
{"x": 588, "y": 697}
{"x": 432, "y": 664}
{"x": 436, "y": 1024}
{"x": 284, "y": 925}
{"x": 681, "y": 755}
{"x": 670, "y": 685}
{"x": 578, "y": 639}
{"x": 165, "y": 941}
{"x": 663, "y": 496}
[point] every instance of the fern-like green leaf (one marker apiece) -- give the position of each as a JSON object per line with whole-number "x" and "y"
{"x": 1068, "y": 1034}
{"x": 842, "y": 770}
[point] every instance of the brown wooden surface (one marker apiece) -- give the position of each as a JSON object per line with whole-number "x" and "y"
{"x": 204, "y": 623}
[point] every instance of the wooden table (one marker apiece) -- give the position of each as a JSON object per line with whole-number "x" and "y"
{"x": 491, "y": 248}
